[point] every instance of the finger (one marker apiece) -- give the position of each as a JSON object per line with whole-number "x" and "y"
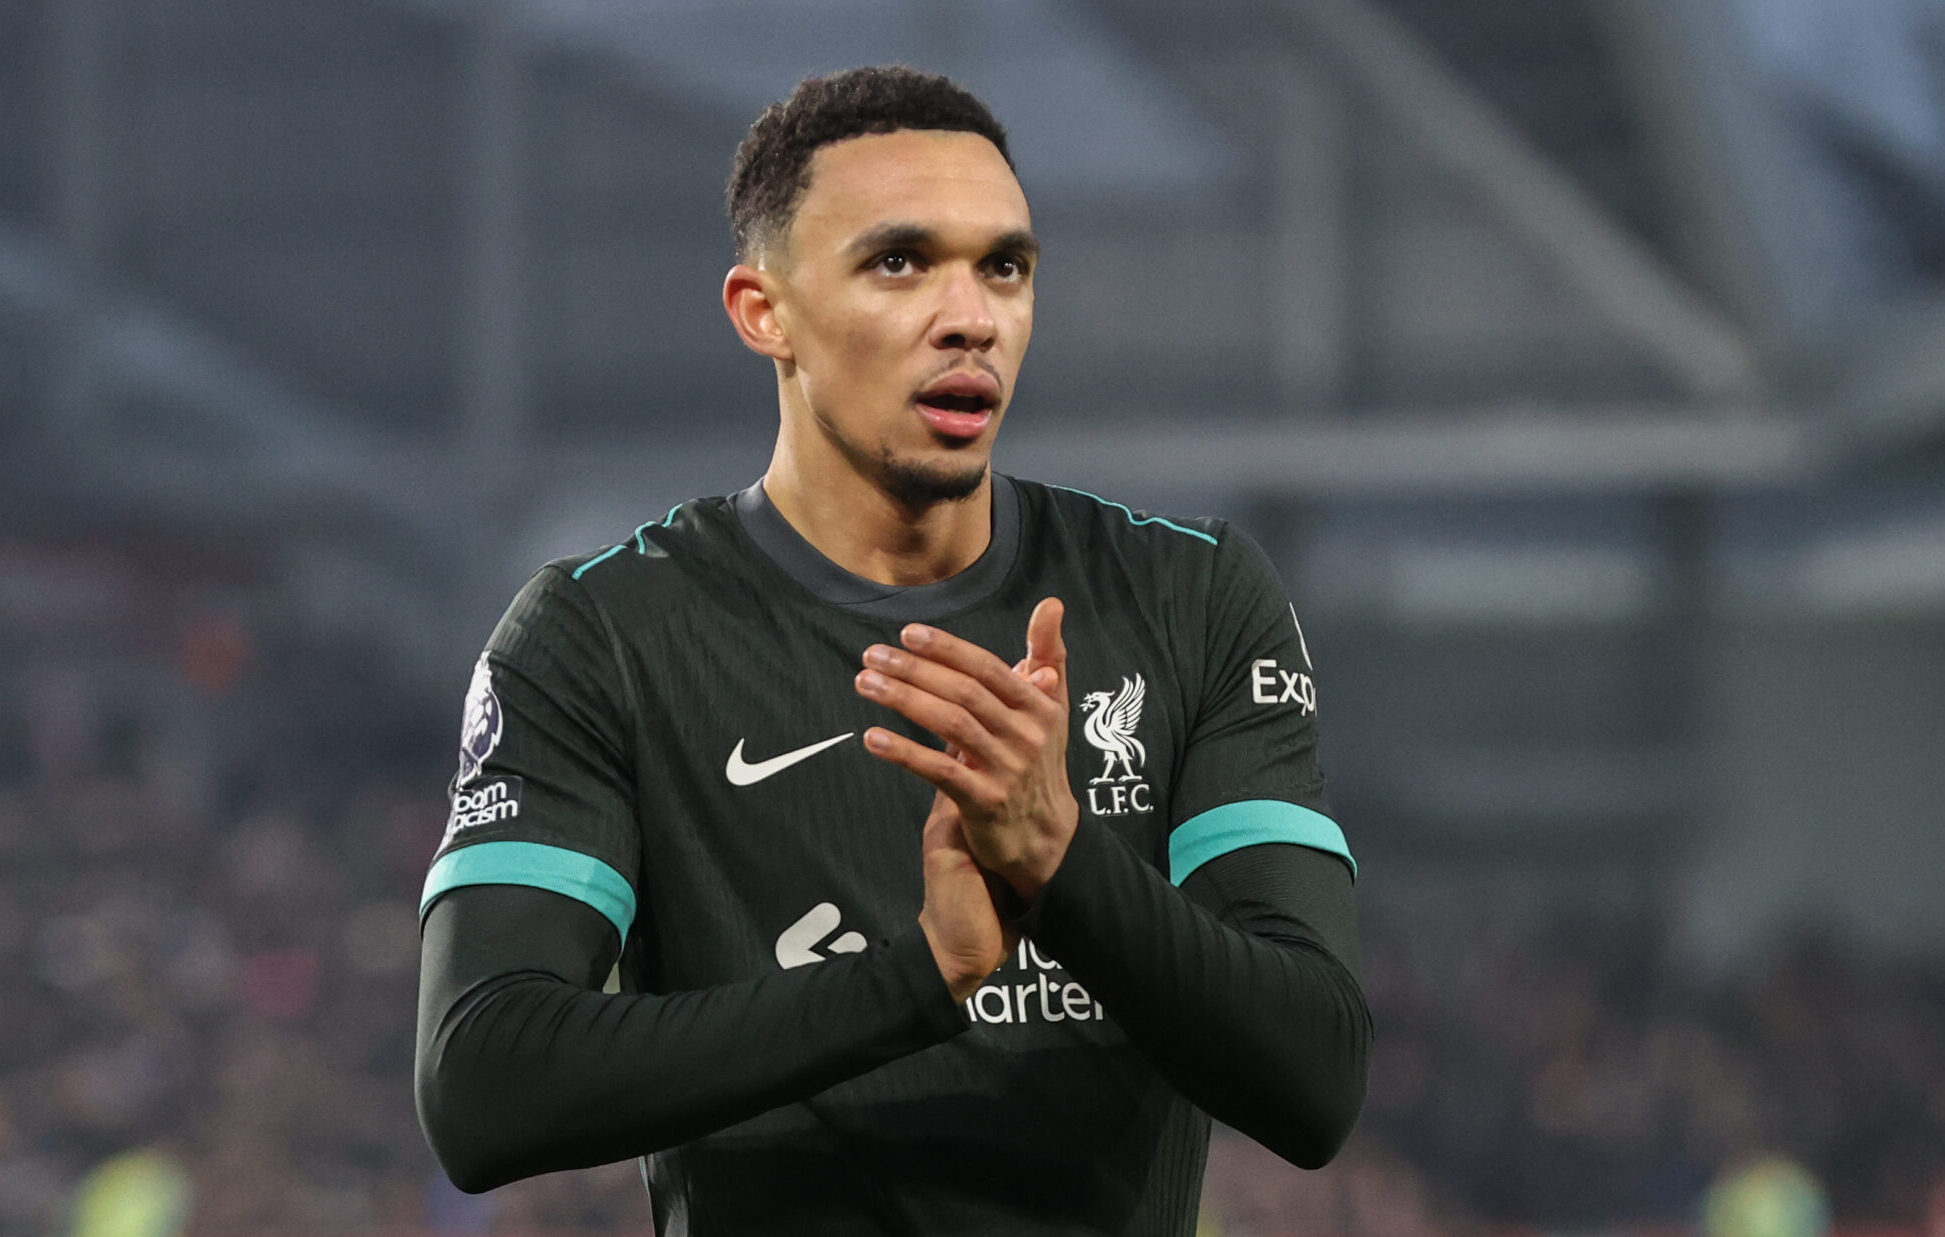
{"x": 966, "y": 787}
{"x": 973, "y": 744}
{"x": 1046, "y": 646}
{"x": 1000, "y": 717}
{"x": 1041, "y": 677}
{"x": 964, "y": 758}
{"x": 967, "y": 658}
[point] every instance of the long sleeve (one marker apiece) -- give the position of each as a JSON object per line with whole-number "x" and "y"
{"x": 524, "y": 1068}
{"x": 1239, "y": 987}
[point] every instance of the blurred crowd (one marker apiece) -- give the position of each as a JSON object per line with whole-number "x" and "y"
{"x": 1545, "y": 1064}
{"x": 1555, "y": 1063}
{"x": 208, "y": 943}
{"x": 209, "y": 861}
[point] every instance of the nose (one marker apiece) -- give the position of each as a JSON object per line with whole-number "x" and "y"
{"x": 965, "y": 314}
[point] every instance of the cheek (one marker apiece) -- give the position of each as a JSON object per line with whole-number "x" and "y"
{"x": 846, "y": 332}
{"x": 863, "y": 337}
{"x": 853, "y": 362}
{"x": 1015, "y": 329}
{"x": 874, "y": 350}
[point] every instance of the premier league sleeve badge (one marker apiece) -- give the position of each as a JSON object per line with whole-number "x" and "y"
{"x": 479, "y": 732}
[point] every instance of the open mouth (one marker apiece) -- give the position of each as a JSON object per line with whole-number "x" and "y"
{"x": 959, "y": 406}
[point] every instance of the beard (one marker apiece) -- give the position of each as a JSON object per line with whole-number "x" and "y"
{"x": 914, "y": 484}
{"x": 911, "y": 483}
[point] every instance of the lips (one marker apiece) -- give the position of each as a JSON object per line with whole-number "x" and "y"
{"x": 959, "y": 405}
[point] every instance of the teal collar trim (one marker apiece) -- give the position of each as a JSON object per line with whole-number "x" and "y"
{"x": 1143, "y": 518}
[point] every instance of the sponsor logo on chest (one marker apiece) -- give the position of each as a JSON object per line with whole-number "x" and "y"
{"x": 1109, "y": 725}
{"x": 1028, "y": 987}
{"x": 809, "y": 939}
{"x": 1031, "y": 987}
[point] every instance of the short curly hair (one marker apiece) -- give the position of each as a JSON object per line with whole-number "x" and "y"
{"x": 772, "y": 168}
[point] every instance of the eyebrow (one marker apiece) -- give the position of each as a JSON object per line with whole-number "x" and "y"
{"x": 901, "y": 235}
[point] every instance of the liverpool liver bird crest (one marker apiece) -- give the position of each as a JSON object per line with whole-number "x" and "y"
{"x": 1110, "y": 726}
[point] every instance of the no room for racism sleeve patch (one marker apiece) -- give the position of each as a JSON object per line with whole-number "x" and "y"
{"x": 489, "y": 802}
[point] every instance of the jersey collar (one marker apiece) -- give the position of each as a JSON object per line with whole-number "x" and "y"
{"x": 799, "y": 559}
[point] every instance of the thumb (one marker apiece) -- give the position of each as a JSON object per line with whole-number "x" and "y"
{"x": 942, "y": 831}
{"x": 1047, "y": 649}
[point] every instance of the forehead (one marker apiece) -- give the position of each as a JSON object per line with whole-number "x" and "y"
{"x": 948, "y": 181}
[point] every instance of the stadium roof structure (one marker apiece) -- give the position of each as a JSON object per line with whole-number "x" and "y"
{"x": 425, "y": 291}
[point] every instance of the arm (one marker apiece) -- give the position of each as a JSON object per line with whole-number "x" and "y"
{"x": 1244, "y": 992}
{"x": 1241, "y": 993}
{"x": 524, "y": 1067}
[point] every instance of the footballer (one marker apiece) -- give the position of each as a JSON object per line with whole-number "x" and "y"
{"x": 956, "y": 841}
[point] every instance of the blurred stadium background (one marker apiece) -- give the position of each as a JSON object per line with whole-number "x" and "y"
{"x": 1581, "y": 361}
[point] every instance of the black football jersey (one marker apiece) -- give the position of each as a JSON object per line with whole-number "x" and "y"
{"x": 667, "y": 731}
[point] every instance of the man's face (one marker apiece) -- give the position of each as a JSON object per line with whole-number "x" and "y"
{"x": 906, "y": 295}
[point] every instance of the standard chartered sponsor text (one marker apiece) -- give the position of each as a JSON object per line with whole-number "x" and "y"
{"x": 1003, "y": 999}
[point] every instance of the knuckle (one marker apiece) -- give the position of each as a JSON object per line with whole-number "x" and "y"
{"x": 1001, "y": 681}
{"x": 1017, "y": 765}
{"x": 961, "y": 726}
{"x": 965, "y": 692}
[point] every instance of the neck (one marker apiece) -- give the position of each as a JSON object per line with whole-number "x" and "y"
{"x": 853, "y": 522}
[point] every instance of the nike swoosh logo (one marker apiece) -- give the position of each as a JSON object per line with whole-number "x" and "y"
{"x": 741, "y": 773}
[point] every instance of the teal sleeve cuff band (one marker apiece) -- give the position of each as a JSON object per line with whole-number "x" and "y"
{"x": 1250, "y": 822}
{"x": 555, "y": 868}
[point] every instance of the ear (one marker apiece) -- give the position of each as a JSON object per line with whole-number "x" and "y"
{"x": 749, "y": 300}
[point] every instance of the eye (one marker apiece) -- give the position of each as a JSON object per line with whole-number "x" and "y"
{"x": 1008, "y": 267}
{"x": 897, "y": 262}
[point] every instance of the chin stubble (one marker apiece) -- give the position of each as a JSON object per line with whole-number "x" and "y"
{"x": 910, "y": 483}
{"x": 916, "y": 485}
